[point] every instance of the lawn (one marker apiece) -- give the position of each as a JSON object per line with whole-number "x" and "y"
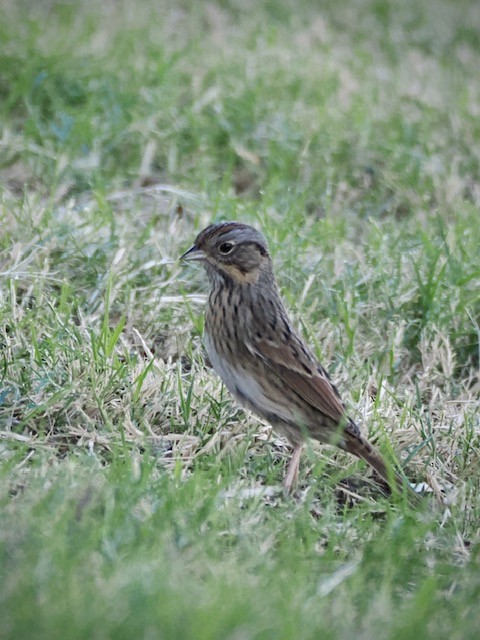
{"x": 137, "y": 500}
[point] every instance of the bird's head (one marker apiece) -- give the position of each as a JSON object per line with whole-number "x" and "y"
{"x": 232, "y": 249}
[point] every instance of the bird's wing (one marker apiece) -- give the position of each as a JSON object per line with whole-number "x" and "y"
{"x": 304, "y": 375}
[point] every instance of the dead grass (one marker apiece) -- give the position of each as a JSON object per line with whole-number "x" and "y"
{"x": 128, "y": 474}
{"x": 116, "y": 365}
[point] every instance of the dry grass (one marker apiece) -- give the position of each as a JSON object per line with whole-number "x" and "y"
{"x": 138, "y": 498}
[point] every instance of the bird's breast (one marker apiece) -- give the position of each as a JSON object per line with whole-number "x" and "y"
{"x": 247, "y": 382}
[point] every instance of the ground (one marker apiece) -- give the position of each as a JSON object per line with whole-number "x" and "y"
{"x": 137, "y": 499}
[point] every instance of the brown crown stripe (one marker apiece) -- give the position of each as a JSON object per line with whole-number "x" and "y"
{"x": 220, "y": 229}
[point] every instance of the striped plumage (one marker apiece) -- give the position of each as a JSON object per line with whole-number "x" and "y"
{"x": 260, "y": 357}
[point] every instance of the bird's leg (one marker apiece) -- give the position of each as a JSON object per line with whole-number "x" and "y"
{"x": 292, "y": 470}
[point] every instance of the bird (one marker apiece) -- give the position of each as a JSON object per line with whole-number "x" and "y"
{"x": 260, "y": 357}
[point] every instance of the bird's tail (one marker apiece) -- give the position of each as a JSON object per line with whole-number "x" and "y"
{"x": 361, "y": 448}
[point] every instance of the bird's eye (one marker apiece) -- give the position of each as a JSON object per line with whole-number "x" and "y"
{"x": 226, "y": 247}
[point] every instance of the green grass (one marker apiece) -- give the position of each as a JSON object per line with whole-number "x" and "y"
{"x": 136, "y": 499}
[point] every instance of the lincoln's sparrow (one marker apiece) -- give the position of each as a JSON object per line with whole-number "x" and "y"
{"x": 259, "y": 355}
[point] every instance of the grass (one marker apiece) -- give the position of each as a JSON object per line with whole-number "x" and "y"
{"x": 137, "y": 500}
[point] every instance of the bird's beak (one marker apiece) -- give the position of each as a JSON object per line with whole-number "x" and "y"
{"x": 194, "y": 253}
